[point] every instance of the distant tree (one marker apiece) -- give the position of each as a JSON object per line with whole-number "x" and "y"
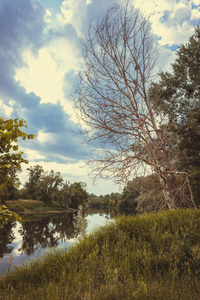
{"x": 31, "y": 187}
{"x": 79, "y": 196}
{"x": 143, "y": 194}
{"x": 13, "y": 183}
{"x": 10, "y": 159}
{"x": 48, "y": 184}
{"x": 129, "y": 195}
{"x": 112, "y": 101}
{"x": 63, "y": 195}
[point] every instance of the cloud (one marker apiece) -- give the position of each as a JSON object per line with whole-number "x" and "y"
{"x": 43, "y": 137}
{"x": 5, "y": 109}
{"x": 55, "y": 139}
{"x": 52, "y": 74}
{"x": 196, "y": 2}
{"x": 33, "y": 155}
{"x": 21, "y": 26}
{"x": 195, "y": 14}
{"x": 172, "y": 21}
{"x": 181, "y": 12}
{"x": 73, "y": 12}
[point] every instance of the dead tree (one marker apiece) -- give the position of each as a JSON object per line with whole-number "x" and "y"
{"x": 112, "y": 101}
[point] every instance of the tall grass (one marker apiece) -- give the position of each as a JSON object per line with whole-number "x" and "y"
{"x": 154, "y": 256}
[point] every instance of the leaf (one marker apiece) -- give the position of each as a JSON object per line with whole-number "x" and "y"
{"x": 15, "y": 148}
{"x": 31, "y": 136}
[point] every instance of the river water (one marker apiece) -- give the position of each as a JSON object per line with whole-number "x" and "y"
{"x": 39, "y": 233}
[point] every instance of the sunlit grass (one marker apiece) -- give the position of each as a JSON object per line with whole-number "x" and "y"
{"x": 28, "y": 205}
{"x": 154, "y": 256}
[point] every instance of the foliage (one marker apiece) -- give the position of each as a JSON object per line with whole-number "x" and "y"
{"x": 194, "y": 176}
{"x": 179, "y": 100}
{"x": 11, "y": 159}
{"x": 7, "y": 216}
{"x": 136, "y": 257}
{"x": 31, "y": 186}
{"x": 79, "y": 196}
{"x": 50, "y": 186}
{"x": 142, "y": 194}
{"x": 108, "y": 200}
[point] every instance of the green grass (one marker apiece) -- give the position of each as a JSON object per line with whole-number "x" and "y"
{"x": 32, "y": 206}
{"x": 154, "y": 256}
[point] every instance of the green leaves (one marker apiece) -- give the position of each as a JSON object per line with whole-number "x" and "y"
{"x": 10, "y": 132}
{"x": 15, "y": 148}
{"x": 7, "y": 216}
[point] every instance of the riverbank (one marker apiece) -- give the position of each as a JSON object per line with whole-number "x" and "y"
{"x": 22, "y": 206}
{"x": 154, "y": 256}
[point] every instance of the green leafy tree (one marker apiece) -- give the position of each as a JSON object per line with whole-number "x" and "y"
{"x": 79, "y": 196}
{"x": 31, "y": 187}
{"x": 142, "y": 194}
{"x": 13, "y": 183}
{"x": 11, "y": 158}
{"x": 65, "y": 195}
{"x": 48, "y": 184}
{"x": 179, "y": 100}
{"x": 129, "y": 195}
{"x": 177, "y": 97}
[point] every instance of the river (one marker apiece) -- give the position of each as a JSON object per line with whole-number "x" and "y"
{"x": 39, "y": 233}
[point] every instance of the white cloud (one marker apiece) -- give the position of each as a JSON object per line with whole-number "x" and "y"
{"x": 73, "y": 12}
{"x": 48, "y": 16}
{"x": 5, "y": 109}
{"x": 150, "y": 7}
{"x": 181, "y": 11}
{"x": 171, "y": 20}
{"x": 41, "y": 76}
{"x": 44, "y": 74}
{"x": 195, "y": 14}
{"x": 32, "y": 155}
{"x": 43, "y": 137}
{"x": 196, "y": 2}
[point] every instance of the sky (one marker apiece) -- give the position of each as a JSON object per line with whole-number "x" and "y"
{"x": 40, "y": 61}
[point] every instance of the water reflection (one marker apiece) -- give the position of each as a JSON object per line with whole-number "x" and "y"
{"x": 37, "y": 233}
{"x": 6, "y": 238}
{"x": 45, "y": 233}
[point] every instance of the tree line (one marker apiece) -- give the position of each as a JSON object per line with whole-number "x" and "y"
{"x": 50, "y": 186}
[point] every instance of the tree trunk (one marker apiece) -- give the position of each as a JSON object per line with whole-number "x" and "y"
{"x": 166, "y": 191}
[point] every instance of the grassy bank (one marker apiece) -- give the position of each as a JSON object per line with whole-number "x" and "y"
{"x": 34, "y": 206}
{"x": 154, "y": 256}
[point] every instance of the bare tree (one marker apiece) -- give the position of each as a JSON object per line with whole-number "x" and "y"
{"x": 112, "y": 101}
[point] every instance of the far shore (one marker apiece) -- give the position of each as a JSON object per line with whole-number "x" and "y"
{"x": 30, "y": 206}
